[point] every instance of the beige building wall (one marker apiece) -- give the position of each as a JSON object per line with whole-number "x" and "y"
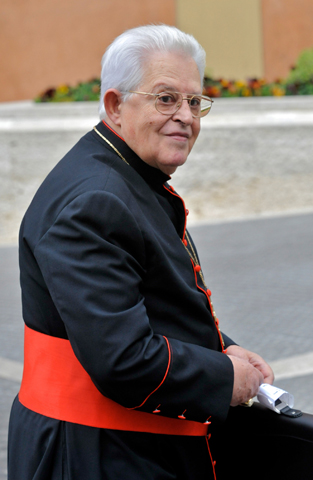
{"x": 287, "y": 30}
{"x": 45, "y": 43}
{"x": 230, "y": 32}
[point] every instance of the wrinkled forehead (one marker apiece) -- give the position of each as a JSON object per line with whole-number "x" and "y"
{"x": 173, "y": 69}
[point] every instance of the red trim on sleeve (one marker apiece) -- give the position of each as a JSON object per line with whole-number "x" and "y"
{"x": 167, "y": 369}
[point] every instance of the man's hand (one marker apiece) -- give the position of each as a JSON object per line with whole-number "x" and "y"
{"x": 250, "y": 371}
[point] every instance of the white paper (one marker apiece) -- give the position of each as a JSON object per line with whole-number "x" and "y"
{"x": 274, "y": 398}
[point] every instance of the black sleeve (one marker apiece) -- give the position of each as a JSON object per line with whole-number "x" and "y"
{"x": 228, "y": 341}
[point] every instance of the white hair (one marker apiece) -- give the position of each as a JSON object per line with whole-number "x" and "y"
{"x": 122, "y": 63}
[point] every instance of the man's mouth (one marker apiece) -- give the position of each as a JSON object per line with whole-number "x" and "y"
{"x": 179, "y": 135}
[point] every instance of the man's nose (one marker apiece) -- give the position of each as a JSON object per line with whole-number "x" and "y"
{"x": 184, "y": 114}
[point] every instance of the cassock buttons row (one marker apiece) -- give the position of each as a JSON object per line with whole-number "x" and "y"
{"x": 182, "y": 416}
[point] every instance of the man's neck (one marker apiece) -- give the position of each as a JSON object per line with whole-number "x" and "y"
{"x": 115, "y": 128}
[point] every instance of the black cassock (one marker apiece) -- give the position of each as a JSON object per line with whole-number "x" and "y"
{"x": 103, "y": 263}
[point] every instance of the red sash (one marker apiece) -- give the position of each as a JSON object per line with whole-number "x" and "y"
{"x": 56, "y": 385}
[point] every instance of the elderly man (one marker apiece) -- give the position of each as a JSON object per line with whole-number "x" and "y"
{"x": 126, "y": 369}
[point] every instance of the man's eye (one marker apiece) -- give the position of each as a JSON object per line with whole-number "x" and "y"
{"x": 167, "y": 99}
{"x": 195, "y": 102}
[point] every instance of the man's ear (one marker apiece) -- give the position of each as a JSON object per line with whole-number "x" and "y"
{"x": 112, "y": 104}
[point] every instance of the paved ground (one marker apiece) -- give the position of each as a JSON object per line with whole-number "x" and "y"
{"x": 261, "y": 275}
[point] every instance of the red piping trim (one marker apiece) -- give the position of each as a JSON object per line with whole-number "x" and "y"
{"x": 176, "y": 195}
{"x": 209, "y": 300}
{"x": 167, "y": 369}
{"x": 108, "y": 126}
{"x": 170, "y": 190}
{"x": 212, "y": 461}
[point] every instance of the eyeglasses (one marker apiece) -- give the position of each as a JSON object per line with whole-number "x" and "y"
{"x": 169, "y": 103}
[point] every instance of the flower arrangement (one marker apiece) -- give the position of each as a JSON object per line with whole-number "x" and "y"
{"x": 84, "y": 91}
{"x": 90, "y": 91}
{"x": 298, "y": 82}
{"x": 243, "y": 88}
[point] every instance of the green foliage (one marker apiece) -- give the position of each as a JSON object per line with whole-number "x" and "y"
{"x": 83, "y": 92}
{"x": 303, "y": 71}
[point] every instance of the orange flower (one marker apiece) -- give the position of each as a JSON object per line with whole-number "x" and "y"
{"x": 63, "y": 89}
{"x": 278, "y": 91}
{"x": 240, "y": 83}
{"x": 224, "y": 83}
{"x": 255, "y": 84}
{"x": 232, "y": 88}
{"x": 214, "y": 92}
{"x": 246, "y": 92}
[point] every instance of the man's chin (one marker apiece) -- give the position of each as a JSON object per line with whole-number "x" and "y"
{"x": 170, "y": 169}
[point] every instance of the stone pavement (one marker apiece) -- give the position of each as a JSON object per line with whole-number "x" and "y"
{"x": 260, "y": 272}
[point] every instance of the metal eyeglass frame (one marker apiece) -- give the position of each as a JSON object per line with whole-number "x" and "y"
{"x": 203, "y": 113}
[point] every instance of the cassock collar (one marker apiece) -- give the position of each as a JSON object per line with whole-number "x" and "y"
{"x": 153, "y": 176}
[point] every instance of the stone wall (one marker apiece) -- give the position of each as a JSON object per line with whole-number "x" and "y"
{"x": 253, "y": 157}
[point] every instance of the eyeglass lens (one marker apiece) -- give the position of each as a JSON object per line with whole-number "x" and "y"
{"x": 169, "y": 102}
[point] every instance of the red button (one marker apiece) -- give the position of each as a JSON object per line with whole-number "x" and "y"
{"x": 197, "y": 268}
{"x": 182, "y": 416}
{"x": 209, "y": 292}
{"x": 185, "y": 242}
{"x": 157, "y": 410}
{"x": 187, "y": 211}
